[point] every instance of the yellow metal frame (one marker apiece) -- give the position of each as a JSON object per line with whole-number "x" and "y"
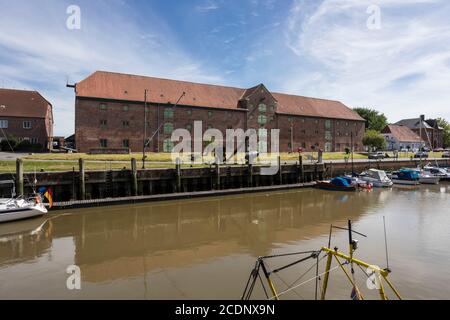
{"x": 349, "y": 259}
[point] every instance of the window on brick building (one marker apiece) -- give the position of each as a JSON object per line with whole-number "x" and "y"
{"x": 168, "y": 128}
{"x": 189, "y": 112}
{"x": 189, "y": 127}
{"x": 167, "y": 145}
{"x": 303, "y": 120}
{"x": 103, "y": 106}
{"x": 168, "y": 113}
{"x": 103, "y": 143}
{"x": 290, "y": 119}
{"x": 4, "y": 124}
{"x": 125, "y": 108}
{"x": 27, "y": 124}
{"x": 210, "y": 114}
{"x": 34, "y": 140}
{"x": 304, "y": 131}
{"x": 262, "y": 108}
{"x": 327, "y": 124}
{"x": 126, "y": 124}
{"x": 262, "y": 119}
{"x": 328, "y": 136}
{"x": 126, "y": 143}
{"x": 316, "y": 132}
{"x": 103, "y": 123}
{"x": 316, "y": 121}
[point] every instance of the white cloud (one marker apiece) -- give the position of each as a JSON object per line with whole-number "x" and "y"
{"x": 209, "y": 6}
{"x": 402, "y": 69}
{"x": 39, "y": 52}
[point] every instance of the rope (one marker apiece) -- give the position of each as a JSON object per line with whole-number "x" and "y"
{"x": 307, "y": 271}
{"x": 305, "y": 282}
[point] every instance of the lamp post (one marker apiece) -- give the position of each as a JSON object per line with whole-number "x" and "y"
{"x": 144, "y": 140}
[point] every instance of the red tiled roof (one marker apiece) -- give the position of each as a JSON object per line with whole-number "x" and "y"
{"x": 22, "y": 103}
{"x": 402, "y": 133}
{"x": 117, "y": 86}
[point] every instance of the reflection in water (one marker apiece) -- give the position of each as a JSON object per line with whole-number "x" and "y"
{"x": 205, "y": 248}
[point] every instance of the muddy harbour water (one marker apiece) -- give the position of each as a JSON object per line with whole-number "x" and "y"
{"x": 206, "y": 248}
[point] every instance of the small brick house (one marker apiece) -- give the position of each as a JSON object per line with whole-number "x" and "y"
{"x": 109, "y": 114}
{"x": 26, "y": 115}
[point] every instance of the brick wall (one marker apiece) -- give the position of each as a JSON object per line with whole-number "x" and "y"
{"x": 119, "y": 121}
{"x": 37, "y": 133}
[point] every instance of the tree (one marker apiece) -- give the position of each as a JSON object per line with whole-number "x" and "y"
{"x": 374, "y": 140}
{"x": 374, "y": 120}
{"x": 446, "y": 126}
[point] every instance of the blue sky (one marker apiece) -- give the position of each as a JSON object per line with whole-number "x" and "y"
{"x": 307, "y": 47}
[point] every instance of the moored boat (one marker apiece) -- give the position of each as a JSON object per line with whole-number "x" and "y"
{"x": 406, "y": 177}
{"x": 441, "y": 173}
{"x": 378, "y": 178}
{"x": 18, "y": 209}
{"x": 336, "y": 184}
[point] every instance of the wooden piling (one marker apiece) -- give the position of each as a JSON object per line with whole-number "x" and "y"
{"x": 217, "y": 171}
{"x": 134, "y": 181}
{"x": 280, "y": 171}
{"x": 302, "y": 169}
{"x": 19, "y": 177}
{"x": 250, "y": 175}
{"x": 82, "y": 182}
{"x": 178, "y": 175}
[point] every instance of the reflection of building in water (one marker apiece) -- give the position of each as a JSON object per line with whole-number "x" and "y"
{"x": 177, "y": 234}
{"x": 111, "y": 243}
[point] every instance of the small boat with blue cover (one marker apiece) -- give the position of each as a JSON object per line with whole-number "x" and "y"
{"x": 337, "y": 184}
{"x": 406, "y": 177}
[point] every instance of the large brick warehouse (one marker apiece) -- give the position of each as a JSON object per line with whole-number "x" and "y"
{"x": 109, "y": 114}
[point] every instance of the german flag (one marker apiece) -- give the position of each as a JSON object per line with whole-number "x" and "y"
{"x": 49, "y": 195}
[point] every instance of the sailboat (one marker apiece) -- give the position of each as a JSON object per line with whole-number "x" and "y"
{"x": 19, "y": 208}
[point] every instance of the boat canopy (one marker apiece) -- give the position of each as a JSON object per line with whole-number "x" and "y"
{"x": 377, "y": 174}
{"x": 340, "y": 182}
{"x": 408, "y": 174}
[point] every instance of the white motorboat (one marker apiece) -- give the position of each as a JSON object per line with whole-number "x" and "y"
{"x": 18, "y": 209}
{"x": 443, "y": 174}
{"x": 378, "y": 178}
{"x": 428, "y": 179}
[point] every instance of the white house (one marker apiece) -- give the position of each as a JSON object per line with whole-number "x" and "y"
{"x": 399, "y": 137}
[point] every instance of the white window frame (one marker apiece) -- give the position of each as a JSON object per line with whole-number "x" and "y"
{"x": 4, "y": 124}
{"x": 26, "y": 122}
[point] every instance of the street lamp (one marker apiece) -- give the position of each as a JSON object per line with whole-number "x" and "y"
{"x": 144, "y": 139}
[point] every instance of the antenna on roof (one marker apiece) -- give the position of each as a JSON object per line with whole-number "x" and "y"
{"x": 69, "y": 85}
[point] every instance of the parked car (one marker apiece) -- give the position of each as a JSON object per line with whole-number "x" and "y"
{"x": 421, "y": 155}
{"x": 377, "y": 155}
{"x": 446, "y": 154}
{"x": 439, "y": 150}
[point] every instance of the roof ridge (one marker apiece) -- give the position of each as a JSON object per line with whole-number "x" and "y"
{"x": 167, "y": 79}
